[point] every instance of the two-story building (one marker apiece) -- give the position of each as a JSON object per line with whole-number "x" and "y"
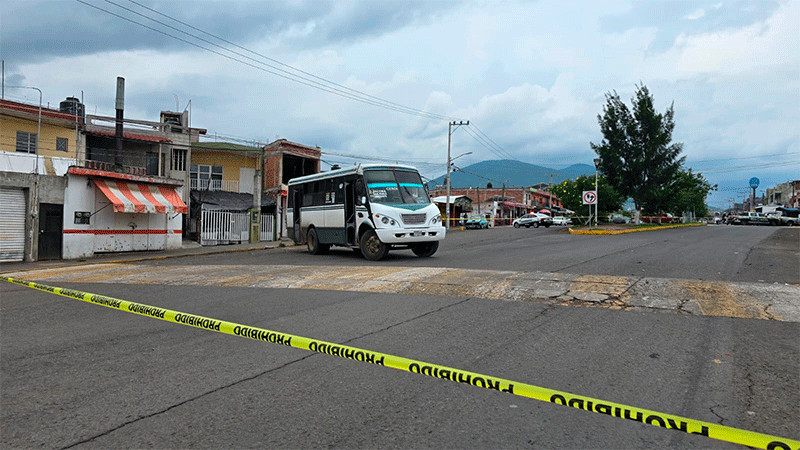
{"x": 784, "y": 194}
{"x": 284, "y": 160}
{"x": 509, "y": 202}
{"x": 72, "y": 185}
{"x": 37, "y": 146}
{"x": 225, "y": 178}
{"x": 128, "y": 193}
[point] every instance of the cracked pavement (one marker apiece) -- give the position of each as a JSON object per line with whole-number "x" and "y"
{"x": 710, "y": 298}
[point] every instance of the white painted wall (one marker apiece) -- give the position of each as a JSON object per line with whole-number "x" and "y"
{"x": 78, "y": 197}
{"x": 26, "y": 163}
{"x": 82, "y": 195}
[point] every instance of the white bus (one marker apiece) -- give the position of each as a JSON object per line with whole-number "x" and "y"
{"x": 370, "y": 208}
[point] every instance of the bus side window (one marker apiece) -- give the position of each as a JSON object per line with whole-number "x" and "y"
{"x": 360, "y": 191}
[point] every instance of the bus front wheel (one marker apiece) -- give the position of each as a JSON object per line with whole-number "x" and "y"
{"x": 312, "y": 241}
{"x": 426, "y": 249}
{"x": 371, "y": 246}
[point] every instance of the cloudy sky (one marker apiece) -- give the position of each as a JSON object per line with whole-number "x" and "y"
{"x": 529, "y": 76}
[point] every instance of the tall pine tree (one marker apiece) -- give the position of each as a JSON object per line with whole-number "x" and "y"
{"x": 637, "y": 155}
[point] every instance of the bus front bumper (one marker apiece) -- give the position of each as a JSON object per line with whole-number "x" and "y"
{"x": 408, "y": 236}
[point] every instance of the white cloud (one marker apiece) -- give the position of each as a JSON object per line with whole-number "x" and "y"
{"x": 529, "y": 74}
{"x": 697, "y": 14}
{"x": 773, "y": 42}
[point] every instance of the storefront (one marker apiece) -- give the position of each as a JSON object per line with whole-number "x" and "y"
{"x": 114, "y": 212}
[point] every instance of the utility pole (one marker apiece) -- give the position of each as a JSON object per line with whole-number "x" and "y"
{"x": 596, "y": 192}
{"x": 450, "y": 130}
{"x": 550, "y": 191}
{"x": 255, "y": 213}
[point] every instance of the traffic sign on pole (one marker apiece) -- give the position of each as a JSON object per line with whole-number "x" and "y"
{"x": 589, "y": 197}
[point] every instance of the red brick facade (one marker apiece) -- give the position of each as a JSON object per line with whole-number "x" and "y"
{"x": 284, "y": 160}
{"x": 516, "y": 195}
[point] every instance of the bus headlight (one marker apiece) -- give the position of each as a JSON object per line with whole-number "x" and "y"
{"x": 388, "y": 221}
{"x": 435, "y": 219}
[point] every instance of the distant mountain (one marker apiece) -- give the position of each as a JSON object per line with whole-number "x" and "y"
{"x": 512, "y": 173}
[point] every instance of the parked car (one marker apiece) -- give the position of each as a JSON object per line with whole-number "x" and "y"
{"x": 619, "y": 218}
{"x": 533, "y": 220}
{"x": 666, "y": 218}
{"x": 561, "y": 220}
{"x": 476, "y": 222}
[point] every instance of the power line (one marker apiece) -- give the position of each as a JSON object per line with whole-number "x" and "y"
{"x": 325, "y": 80}
{"x": 483, "y": 142}
{"x": 495, "y": 144}
{"x": 355, "y": 95}
{"x": 745, "y": 157}
{"x": 285, "y": 71}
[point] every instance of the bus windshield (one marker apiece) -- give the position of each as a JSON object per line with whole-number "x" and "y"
{"x": 396, "y": 187}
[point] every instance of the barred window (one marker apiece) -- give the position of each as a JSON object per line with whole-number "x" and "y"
{"x": 26, "y": 142}
{"x": 61, "y": 144}
{"x": 178, "y": 159}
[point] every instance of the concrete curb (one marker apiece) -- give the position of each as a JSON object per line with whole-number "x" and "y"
{"x": 637, "y": 230}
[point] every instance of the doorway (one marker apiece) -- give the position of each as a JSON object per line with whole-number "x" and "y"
{"x": 51, "y": 231}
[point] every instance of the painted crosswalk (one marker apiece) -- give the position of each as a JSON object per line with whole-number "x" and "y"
{"x": 727, "y": 299}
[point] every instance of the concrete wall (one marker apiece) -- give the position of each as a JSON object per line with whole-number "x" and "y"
{"x": 38, "y": 189}
{"x": 79, "y": 196}
{"x": 110, "y": 231}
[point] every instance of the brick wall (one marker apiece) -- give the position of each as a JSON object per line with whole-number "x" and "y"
{"x": 517, "y": 195}
{"x": 275, "y": 158}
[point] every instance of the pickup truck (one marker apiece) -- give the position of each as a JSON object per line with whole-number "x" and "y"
{"x": 786, "y": 216}
{"x": 750, "y": 218}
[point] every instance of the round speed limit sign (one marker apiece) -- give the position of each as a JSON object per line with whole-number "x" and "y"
{"x": 589, "y": 197}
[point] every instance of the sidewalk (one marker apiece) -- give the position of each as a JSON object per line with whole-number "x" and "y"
{"x": 189, "y": 248}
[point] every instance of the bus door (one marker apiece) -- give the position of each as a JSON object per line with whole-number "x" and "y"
{"x": 350, "y": 212}
{"x": 298, "y": 203}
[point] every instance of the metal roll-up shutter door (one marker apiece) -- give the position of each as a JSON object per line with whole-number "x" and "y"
{"x": 12, "y": 224}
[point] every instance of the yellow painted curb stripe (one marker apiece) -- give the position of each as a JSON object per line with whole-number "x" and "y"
{"x": 650, "y": 417}
{"x": 613, "y": 232}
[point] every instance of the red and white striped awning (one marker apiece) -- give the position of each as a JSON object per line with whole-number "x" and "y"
{"x": 133, "y": 197}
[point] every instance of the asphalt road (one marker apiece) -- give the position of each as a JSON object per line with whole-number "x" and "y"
{"x": 719, "y": 253}
{"x": 76, "y": 374}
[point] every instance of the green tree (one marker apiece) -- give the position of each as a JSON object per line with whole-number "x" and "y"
{"x": 690, "y": 193}
{"x": 637, "y": 154}
{"x": 571, "y": 194}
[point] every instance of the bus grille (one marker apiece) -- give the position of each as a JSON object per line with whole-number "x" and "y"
{"x": 413, "y": 219}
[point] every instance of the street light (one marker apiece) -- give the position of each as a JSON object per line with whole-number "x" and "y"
{"x": 34, "y": 207}
{"x": 596, "y": 190}
{"x": 449, "y": 162}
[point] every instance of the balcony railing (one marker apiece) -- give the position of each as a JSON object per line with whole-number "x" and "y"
{"x": 215, "y": 185}
{"x": 110, "y": 167}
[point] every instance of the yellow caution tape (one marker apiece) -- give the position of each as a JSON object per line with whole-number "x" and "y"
{"x": 668, "y": 421}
